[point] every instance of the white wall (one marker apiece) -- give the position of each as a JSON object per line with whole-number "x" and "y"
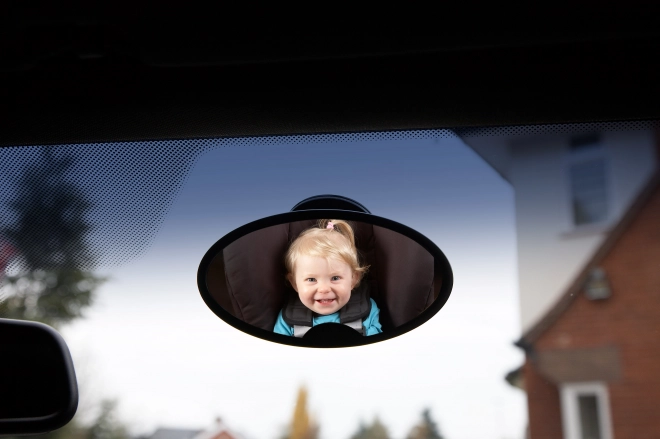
{"x": 551, "y": 251}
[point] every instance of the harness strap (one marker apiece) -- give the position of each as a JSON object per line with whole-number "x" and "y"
{"x": 352, "y": 314}
{"x": 357, "y": 325}
{"x": 300, "y": 331}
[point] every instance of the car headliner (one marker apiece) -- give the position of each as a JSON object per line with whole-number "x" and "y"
{"x": 95, "y": 74}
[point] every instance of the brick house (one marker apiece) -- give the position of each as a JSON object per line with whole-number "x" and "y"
{"x": 219, "y": 430}
{"x": 578, "y": 192}
{"x": 592, "y": 368}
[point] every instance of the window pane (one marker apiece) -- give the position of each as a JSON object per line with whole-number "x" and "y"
{"x": 589, "y": 422}
{"x": 588, "y": 192}
{"x": 584, "y": 142}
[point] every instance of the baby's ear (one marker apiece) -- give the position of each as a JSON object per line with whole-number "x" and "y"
{"x": 292, "y": 281}
{"x": 356, "y": 279}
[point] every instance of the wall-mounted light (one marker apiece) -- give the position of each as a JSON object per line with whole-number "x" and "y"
{"x": 597, "y": 287}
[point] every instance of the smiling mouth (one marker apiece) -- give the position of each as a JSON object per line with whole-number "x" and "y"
{"x": 325, "y": 301}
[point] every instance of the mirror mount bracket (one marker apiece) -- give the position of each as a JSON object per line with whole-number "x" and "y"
{"x": 328, "y": 201}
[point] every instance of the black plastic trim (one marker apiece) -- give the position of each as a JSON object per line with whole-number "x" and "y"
{"x": 43, "y": 424}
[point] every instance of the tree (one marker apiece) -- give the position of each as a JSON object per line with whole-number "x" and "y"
{"x": 106, "y": 425}
{"x": 54, "y": 282}
{"x": 374, "y": 431}
{"x": 49, "y": 237}
{"x": 426, "y": 429}
{"x": 302, "y": 425}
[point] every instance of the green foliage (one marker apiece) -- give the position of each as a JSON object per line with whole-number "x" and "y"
{"x": 426, "y": 429}
{"x": 49, "y": 235}
{"x": 374, "y": 431}
{"x": 106, "y": 425}
{"x": 52, "y": 297}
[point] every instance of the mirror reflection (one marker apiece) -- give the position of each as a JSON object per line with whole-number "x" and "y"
{"x": 294, "y": 276}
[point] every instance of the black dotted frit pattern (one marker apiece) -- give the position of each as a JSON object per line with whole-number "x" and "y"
{"x": 572, "y": 128}
{"x": 131, "y": 185}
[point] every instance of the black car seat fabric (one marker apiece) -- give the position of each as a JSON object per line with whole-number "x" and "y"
{"x": 248, "y": 278}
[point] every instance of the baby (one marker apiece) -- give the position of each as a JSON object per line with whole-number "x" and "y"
{"x": 323, "y": 268}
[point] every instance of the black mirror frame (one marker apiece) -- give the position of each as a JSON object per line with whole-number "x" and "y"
{"x": 69, "y": 385}
{"x": 441, "y": 265}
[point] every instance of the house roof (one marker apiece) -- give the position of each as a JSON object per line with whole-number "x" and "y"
{"x": 572, "y": 292}
{"x": 218, "y": 430}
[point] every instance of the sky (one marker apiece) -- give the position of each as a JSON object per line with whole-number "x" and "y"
{"x": 150, "y": 342}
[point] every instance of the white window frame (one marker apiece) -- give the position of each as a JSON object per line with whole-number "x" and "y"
{"x": 576, "y": 157}
{"x": 570, "y": 414}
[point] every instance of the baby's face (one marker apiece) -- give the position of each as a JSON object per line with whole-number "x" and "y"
{"x": 324, "y": 286}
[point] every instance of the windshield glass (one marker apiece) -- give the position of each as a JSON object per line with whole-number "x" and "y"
{"x": 104, "y": 242}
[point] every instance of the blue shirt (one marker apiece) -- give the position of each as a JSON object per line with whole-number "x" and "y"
{"x": 371, "y": 324}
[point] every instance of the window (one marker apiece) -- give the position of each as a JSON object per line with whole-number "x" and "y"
{"x": 588, "y": 180}
{"x": 586, "y": 411}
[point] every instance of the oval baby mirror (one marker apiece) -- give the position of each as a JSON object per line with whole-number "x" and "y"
{"x": 326, "y": 274}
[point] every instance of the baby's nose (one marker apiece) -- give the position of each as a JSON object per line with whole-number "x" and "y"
{"x": 324, "y": 287}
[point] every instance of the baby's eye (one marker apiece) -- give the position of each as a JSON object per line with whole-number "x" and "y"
{"x": 336, "y": 277}
{"x": 310, "y": 279}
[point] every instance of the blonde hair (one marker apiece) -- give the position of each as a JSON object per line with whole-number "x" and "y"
{"x": 332, "y": 239}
